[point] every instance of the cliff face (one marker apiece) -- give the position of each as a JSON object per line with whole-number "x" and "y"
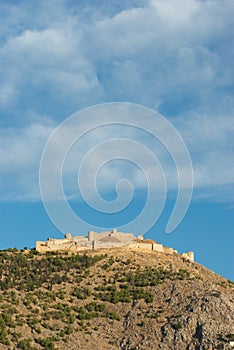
{"x": 119, "y": 299}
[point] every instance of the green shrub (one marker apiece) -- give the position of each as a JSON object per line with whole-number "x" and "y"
{"x": 230, "y": 337}
{"x": 176, "y": 326}
{"x": 81, "y": 293}
{"x": 25, "y": 344}
{"x": 46, "y": 343}
{"x": 113, "y": 315}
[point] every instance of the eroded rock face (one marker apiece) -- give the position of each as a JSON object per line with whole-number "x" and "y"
{"x": 191, "y": 322}
{"x": 201, "y": 321}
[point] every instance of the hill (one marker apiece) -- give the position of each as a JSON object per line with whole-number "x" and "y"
{"x": 115, "y": 299}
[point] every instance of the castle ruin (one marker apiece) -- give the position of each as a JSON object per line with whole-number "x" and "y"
{"x": 105, "y": 239}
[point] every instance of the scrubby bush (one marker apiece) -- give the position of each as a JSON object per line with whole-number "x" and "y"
{"x": 25, "y": 344}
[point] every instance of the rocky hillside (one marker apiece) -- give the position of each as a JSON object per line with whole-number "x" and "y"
{"x": 117, "y": 299}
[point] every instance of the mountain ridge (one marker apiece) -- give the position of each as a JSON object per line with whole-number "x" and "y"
{"x": 116, "y": 299}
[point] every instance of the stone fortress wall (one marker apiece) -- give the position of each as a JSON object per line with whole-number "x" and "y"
{"x": 105, "y": 239}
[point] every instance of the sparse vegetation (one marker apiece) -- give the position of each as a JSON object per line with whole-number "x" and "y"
{"x": 48, "y": 299}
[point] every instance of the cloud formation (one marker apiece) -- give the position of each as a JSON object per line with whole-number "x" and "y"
{"x": 61, "y": 56}
{"x": 208, "y": 141}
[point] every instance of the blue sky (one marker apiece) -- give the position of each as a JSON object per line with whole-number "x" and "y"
{"x": 175, "y": 57}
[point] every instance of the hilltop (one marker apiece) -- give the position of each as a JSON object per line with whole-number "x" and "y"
{"x": 112, "y": 299}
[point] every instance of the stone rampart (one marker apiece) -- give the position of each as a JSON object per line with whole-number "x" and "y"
{"x": 158, "y": 247}
{"x": 189, "y": 256}
{"x": 121, "y": 236}
{"x": 99, "y": 245}
{"x": 139, "y": 245}
{"x": 59, "y": 245}
{"x": 106, "y": 239}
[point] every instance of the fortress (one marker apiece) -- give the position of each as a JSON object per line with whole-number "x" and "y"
{"x": 105, "y": 239}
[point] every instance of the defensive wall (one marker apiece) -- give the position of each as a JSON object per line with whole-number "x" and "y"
{"x": 105, "y": 239}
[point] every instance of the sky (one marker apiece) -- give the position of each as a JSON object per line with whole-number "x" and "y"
{"x": 172, "y": 57}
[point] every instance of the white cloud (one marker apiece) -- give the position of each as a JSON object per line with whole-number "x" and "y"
{"x": 210, "y": 142}
{"x": 47, "y": 62}
{"x": 141, "y": 54}
{"x": 21, "y": 150}
{"x": 20, "y": 153}
{"x": 166, "y": 54}
{"x": 7, "y": 94}
{"x": 177, "y": 13}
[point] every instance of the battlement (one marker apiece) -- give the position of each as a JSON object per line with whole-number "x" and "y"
{"x": 105, "y": 239}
